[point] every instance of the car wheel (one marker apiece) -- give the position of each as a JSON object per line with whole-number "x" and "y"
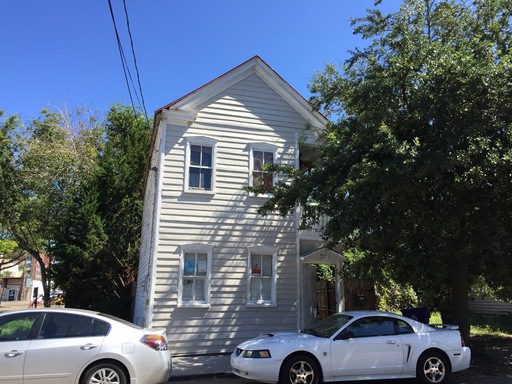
{"x": 300, "y": 369}
{"x": 432, "y": 368}
{"x": 104, "y": 373}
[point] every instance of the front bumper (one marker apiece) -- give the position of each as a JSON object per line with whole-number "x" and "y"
{"x": 263, "y": 370}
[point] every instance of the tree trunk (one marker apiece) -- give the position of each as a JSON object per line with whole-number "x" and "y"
{"x": 45, "y": 278}
{"x": 459, "y": 283}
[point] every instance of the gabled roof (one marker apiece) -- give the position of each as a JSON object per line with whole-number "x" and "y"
{"x": 253, "y": 65}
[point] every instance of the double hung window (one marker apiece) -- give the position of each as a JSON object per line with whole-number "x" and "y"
{"x": 195, "y": 274}
{"x": 200, "y": 165}
{"x": 262, "y": 276}
{"x": 262, "y": 156}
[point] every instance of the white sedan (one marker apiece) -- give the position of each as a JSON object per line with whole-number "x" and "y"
{"x": 72, "y": 346}
{"x": 367, "y": 345}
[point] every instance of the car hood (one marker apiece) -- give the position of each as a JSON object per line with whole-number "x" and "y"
{"x": 265, "y": 341}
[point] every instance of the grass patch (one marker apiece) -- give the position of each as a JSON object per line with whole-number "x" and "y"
{"x": 491, "y": 325}
{"x": 483, "y": 325}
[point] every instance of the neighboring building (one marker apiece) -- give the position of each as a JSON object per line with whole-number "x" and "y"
{"x": 212, "y": 271}
{"x": 20, "y": 280}
{"x": 488, "y": 305}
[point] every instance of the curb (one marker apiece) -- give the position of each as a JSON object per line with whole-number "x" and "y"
{"x": 218, "y": 375}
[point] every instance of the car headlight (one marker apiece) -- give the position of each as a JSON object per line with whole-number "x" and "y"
{"x": 259, "y": 354}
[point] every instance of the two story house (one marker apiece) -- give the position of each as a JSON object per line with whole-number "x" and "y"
{"x": 212, "y": 271}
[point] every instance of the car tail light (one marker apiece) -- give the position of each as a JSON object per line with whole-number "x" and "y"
{"x": 462, "y": 344}
{"x": 157, "y": 342}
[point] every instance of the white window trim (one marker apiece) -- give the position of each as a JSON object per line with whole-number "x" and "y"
{"x": 265, "y": 250}
{"x": 195, "y": 248}
{"x": 203, "y": 141}
{"x": 265, "y": 147}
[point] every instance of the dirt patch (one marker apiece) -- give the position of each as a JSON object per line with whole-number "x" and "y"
{"x": 491, "y": 355}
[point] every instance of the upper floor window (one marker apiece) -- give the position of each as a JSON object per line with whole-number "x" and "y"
{"x": 262, "y": 155}
{"x": 200, "y": 164}
{"x": 262, "y": 276}
{"x": 195, "y": 271}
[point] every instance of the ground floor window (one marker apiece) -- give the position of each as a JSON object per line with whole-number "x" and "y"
{"x": 262, "y": 276}
{"x": 195, "y": 274}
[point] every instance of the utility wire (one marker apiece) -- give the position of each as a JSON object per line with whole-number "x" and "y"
{"x": 124, "y": 63}
{"x": 135, "y": 59}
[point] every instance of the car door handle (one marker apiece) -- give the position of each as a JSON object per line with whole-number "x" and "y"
{"x": 391, "y": 342}
{"x": 13, "y": 354}
{"x": 88, "y": 347}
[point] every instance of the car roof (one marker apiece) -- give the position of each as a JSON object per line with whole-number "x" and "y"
{"x": 52, "y": 309}
{"x": 366, "y": 313}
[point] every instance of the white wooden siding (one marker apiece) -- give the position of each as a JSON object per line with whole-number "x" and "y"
{"x": 489, "y": 306}
{"x": 144, "y": 274}
{"x": 248, "y": 112}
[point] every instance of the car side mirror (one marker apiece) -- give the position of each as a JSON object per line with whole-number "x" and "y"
{"x": 345, "y": 335}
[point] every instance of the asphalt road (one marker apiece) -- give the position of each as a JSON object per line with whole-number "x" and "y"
{"x": 458, "y": 378}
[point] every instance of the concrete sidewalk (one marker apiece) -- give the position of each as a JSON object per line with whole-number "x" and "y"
{"x": 193, "y": 366}
{"x": 14, "y": 305}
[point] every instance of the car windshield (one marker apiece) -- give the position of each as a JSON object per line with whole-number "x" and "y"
{"x": 328, "y": 326}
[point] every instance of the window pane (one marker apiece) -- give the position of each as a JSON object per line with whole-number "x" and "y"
{"x": 255, "y": 289}
{"x": 256, "y": 265}
{"x": 60, "y": 325}
{"x": 257, "y": 160}
{"x": 268, "y": 180}
{"x": 206, "y": 178}
{"x": 269, "y": 158}
{"x": 372, "y": 327}
{"x": 195, "y": 154}
{"x": 207, "y": 157}
{"x": 187, "y": 289}
{"x": 193, "y": 177}
{"x": 199, "y": 290}
{"x": 189, "y": 265}
{"x": 16, "y": 327}
{"x": 403, "y": 328}
{"x": 266, "y": 289}
{"x": 201, "y": 264}
{"x": 257, "y": 179}
{"x": 267, "y": 265}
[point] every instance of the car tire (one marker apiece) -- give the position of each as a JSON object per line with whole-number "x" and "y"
{"x": 300, "y": 369}
{"x": 104, "y": 373}
{"x": 432, "y": 368}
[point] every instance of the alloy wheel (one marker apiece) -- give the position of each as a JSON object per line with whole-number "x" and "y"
{"x": 434, "y": 369}
{"x": 302, "y": 373}
{"x": 105, "y": 376}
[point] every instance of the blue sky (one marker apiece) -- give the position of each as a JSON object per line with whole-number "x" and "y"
{"x": 62, "y": 54}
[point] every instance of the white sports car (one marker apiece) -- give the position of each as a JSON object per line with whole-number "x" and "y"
{"x": 367, "y": 345}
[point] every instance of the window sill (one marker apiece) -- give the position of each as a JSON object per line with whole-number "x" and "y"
{"x": 200, "y": 192}
{"x": 193, "y": 305}
{"x": 259, "y": 305}
{"x": 261, "y": 195}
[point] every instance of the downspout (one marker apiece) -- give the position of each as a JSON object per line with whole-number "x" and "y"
{"x": 300, "y": 307}
{"x": 157, "y": 202}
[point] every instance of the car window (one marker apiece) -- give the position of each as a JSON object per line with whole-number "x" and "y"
{"x": 61, "y": 325}
{"x": 328, "y": 326}
{"x": 372, "y": 326}
{"x": 17, "y": 326}
{"x": 402, "y": 328}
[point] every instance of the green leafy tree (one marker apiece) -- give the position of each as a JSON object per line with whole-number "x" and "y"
{"x": 10, "y": 255}
{"x": 416, "y": 172}
{"x": 42, "y": 164}
{"x": 99, "y": 239}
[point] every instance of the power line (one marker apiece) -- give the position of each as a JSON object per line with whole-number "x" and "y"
{"x": 134, "y": 58}
{"x": 126, "y": 69}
